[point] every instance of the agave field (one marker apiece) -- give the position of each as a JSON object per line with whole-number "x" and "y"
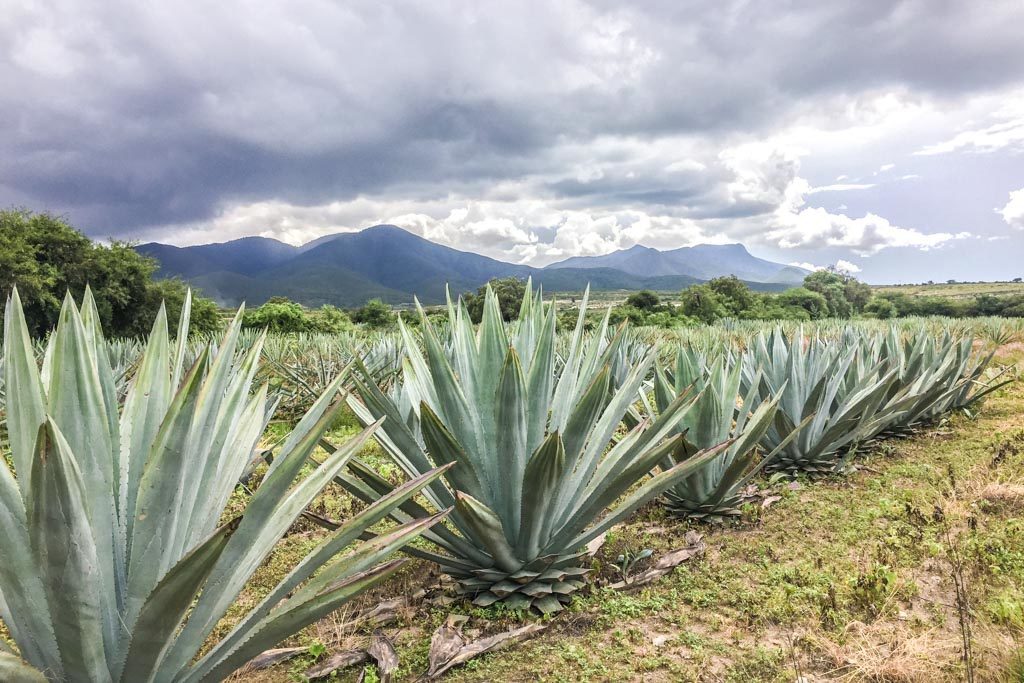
{"x": 144, "y": 483}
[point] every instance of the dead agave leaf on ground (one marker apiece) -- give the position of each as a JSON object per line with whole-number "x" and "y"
{"x": 449, "y": 647}
{"x": 339, "y": 660}
{"x": 446, "y": 637}
{"x": 663, "y": 565}
{"x": 596, "y": 544}
{"x": 383, "y": 652}
{"x": 445, "y": 644}
{"x": 270, "y": 658}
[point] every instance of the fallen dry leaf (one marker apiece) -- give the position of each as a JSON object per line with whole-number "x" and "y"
{"x": 446, "y": 642}
{"x": 666, "y": 563}
{"x": 383, "y": 652}
{"x": 489, "y": 644}
{"x": 269, "y": 658}
{"x": 339, "y": 660}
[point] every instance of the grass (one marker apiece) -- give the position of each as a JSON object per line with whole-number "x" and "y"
{"x": 850, "y": 578}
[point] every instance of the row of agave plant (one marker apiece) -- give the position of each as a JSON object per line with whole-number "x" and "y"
{"x": 519, "y": 446}
{"x": 553, "y": 447}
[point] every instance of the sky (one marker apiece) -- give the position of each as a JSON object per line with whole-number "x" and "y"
{"x": 886, "y": 137}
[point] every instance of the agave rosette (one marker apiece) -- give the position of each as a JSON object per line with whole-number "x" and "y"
{"x": 714, "y": 493}
{"x": 117, "y": 563}
{"x": 541, "y": 458}
{"x": 830, "y": 383}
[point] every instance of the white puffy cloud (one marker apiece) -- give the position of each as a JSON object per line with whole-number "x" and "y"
{"x": 847, "y": 267}
{"x": 841, "y": 265}
{"x": 1013, "y": 212}
{"x": 769, "y": 174}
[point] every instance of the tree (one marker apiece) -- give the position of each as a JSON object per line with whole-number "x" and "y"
{"x": 857, "y": 293}
{"x": 644, "y": 300}
{"x": 374, "y": 314}
{"x": 46, "y": 258}
{"x": 733, "y": 293}
{"x": 801, "y": 297}
{"x": 277, "y": 316}
{"x": 832, "y": 286}
{"x": 205, "y": 318}
{"x": 703, "y": 303}
{"x": 508, "y": 290}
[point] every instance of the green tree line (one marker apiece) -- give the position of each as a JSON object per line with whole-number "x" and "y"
{"x": 47, "y": 258}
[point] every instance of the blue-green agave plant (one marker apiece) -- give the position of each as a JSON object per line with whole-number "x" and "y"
{"x": 117, "y": 561}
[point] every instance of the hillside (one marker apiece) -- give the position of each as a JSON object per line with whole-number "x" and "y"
{"x": 392, "y": 264}
{"x": 703, "y": 261}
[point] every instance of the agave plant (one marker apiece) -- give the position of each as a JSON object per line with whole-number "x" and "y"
{"x": 933, "y": 375}
{"x": 714, "y": 492}
{"x": 829, "y": 381}
{"x": 117, "y": 563}
{"x": 541, "y": 456}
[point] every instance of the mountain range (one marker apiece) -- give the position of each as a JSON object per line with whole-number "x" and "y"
{"x": 389, "y": 263}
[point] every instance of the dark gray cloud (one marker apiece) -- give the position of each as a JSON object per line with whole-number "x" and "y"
{"x": 170, "y": 120}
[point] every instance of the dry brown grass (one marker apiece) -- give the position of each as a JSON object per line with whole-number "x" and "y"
{"x": 1008, "y": 497}
{"x": 887, "y": 651}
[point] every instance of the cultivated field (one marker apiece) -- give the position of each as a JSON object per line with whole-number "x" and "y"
{"x": 955, "y": 290}
{"x": 745, "y": 501}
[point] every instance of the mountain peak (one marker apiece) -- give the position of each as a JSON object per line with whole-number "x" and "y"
{"x": 702, "y": 261}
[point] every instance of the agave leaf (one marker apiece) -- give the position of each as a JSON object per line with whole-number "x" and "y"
{"x": 651, "y": 489}
{"x": 339, "y": 539}
{"x": 22, "y": 592}
{"x": 488, "y": 528}
{"x": 26, "y": 405}
{"x": 65, "y": 552}
{"x": 166, "y": 606}
{"x": 543, "y": 474}
{"x": 149, "y": 394}
{"x": 332, "y": 587}
{"x": 511, "y": 437}
{"x": 159, "y": 494}
{"x": 271, "y": 510}
{"x": 77, "y": 402}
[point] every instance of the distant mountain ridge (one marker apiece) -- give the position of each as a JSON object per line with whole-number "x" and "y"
{"x": 704, "y": 261}
{"x": 387, "y": 262}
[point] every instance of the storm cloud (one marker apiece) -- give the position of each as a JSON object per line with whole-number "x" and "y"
{"x": 529, "y": 131}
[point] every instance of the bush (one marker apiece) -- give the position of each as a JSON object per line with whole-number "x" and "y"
{"x": 375, "y": 314}
{"x": 277, "y": 315}
{"x": 881, "y": 308}
{"x": 644, "y": 300}
{"x": 510, "y": 292}
{"x": 281, "y": 315}
{"x": 703, "y": 303}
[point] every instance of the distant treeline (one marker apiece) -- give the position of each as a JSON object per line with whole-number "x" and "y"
{"x": 46, "y": 258}
{"x": 824, "y": 294}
